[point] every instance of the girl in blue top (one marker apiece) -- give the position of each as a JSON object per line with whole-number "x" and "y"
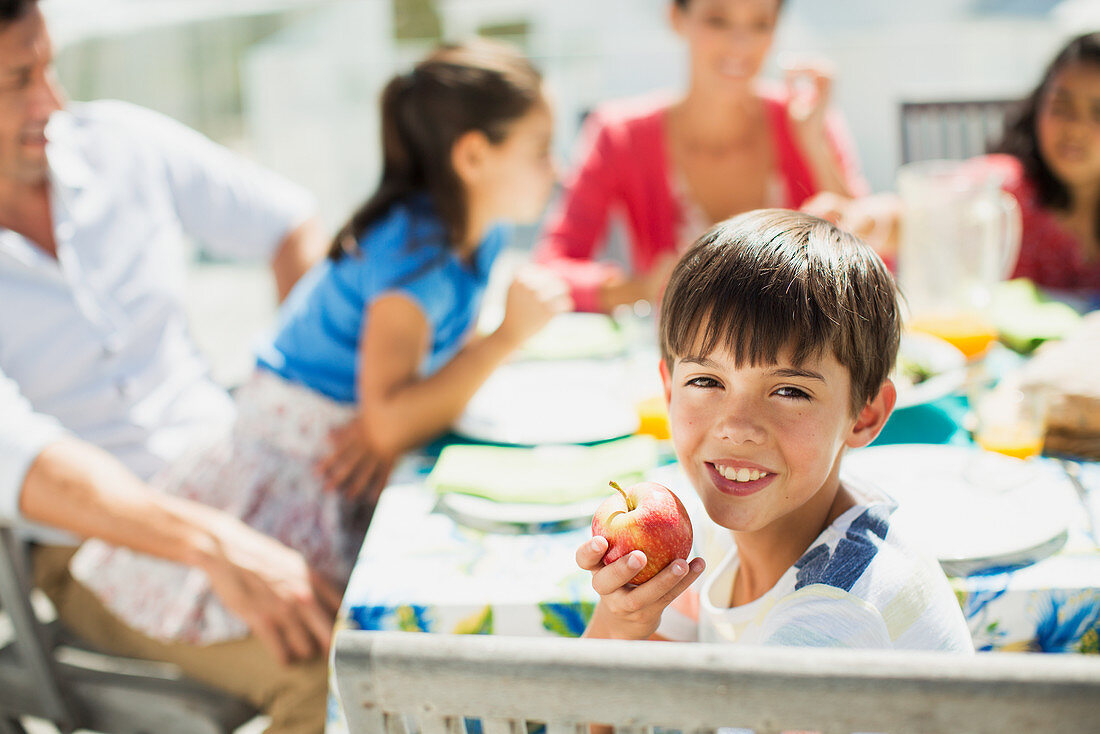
{"x": 373, "y": 354}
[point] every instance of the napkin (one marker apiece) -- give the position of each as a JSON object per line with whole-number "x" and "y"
{"x": 1025, "y": 318}
{"x": 542, "y": 474}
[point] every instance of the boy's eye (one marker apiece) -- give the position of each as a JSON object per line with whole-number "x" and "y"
{"x": 704, "y": 382}
{"x": 792, "y": 392}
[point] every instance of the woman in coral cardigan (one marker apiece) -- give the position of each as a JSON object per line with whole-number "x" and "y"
{"x": 674, "y": 166}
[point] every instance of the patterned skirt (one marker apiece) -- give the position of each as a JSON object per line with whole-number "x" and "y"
{"x": 263, "y": 473}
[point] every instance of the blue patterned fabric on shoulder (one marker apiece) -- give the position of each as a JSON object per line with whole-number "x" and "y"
{"x": 840, "y": 566}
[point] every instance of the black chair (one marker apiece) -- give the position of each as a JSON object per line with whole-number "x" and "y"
{"x": 953, "y": 130}
{"x": 45, "y": 675}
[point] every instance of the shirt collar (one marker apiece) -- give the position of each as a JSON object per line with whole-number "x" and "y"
{"x": 69, "y": 171}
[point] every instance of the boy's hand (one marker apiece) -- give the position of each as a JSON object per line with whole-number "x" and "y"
{"x": 626, "y": 611}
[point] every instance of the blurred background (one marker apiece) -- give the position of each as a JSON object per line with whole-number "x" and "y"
{"x": 294, "y": 83}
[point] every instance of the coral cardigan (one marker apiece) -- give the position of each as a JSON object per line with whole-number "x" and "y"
{"x": 624, "y": 167}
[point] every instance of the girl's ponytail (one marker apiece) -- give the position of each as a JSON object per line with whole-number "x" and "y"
{"x": 480, "y": 86}
{"x": 400, "y": 172}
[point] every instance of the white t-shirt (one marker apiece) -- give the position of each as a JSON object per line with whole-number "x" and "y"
{"x": 859, "y": 585}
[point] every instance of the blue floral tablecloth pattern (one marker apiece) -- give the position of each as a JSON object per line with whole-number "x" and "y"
{"x": 424, "y": 572}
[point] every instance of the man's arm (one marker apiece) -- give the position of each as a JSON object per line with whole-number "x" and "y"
{"x": 302, "y": 247}
{"x": 77, "y": 487}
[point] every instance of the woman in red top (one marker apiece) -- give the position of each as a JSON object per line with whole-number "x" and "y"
{"x": 673, "y": 167}
{"x": 1050, "y": 161}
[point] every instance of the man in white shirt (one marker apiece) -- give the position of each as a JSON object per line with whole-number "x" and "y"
{"x": 100, "y": 382}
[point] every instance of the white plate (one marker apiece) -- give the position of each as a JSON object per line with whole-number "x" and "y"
{"x": 576, "y": 336}
{"x": 944, "y": 361}
{"x": 969, "y": 508}
{"x": 532, "y": 403}
{"x": 501, "y": 517}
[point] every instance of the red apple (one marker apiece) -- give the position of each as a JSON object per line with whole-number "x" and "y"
{"x": 648, "y": 517}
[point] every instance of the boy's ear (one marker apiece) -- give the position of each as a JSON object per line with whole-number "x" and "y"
{"x": 666, "y": 380}
{"x": 873, "y": 417}
{"x": 468, "y": 155}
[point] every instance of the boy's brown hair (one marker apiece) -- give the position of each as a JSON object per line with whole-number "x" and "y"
{"x": 773, "y": 279}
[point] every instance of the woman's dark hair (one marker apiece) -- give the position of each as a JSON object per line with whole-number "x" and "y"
{"x": 1021, "y": 139}
{"x": 14, "y": 9}
{"x": 480, "y": 85}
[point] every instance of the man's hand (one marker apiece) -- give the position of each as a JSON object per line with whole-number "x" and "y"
{"x": 626, "y": 611}
{"x": 81, "y": 488}
{"x": 287, "y": 605}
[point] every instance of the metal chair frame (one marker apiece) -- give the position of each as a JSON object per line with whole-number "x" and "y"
{"x": 46, "y": 675}
{"x": 955, "y": 129}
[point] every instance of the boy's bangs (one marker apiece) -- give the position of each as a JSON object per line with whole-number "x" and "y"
{"x": 756, "y": 327}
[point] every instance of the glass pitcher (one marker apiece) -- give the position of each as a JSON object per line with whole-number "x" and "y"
{"x": 960, "y": 235}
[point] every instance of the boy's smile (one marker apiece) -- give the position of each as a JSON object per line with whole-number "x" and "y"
{"x": 761, "y": 444}
{"x": 738, "y": 479}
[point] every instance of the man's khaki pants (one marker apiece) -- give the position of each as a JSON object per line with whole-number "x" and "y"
{"x": 293, "y": 696}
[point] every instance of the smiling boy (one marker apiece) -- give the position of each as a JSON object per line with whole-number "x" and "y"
{"x": 778, "y": 334}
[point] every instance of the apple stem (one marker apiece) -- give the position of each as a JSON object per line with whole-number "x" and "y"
{"x": 629, "y": 504}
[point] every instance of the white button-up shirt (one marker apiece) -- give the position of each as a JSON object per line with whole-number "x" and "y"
{"x": 96, "y": 343}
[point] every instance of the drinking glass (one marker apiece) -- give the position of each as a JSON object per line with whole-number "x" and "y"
{"x": 1010, "y": 421}
{"x": 959, "y": 237}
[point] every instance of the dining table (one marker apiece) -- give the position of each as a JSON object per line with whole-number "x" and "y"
{"x": 428, "y": 565}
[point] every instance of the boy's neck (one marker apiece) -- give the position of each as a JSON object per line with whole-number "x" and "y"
{"x": 765, "y": 555}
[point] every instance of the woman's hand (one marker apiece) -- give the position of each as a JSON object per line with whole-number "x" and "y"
{"x": 809, "y": 85}
{"x": 626, "y": 611}
{"x": 874, "y": 219}
{"x": 648, "y": 286}
{"x": 535, "y": 296}
{"x": 353, "y": 466}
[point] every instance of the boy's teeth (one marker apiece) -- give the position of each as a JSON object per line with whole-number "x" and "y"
{"x": 740, "y": 475}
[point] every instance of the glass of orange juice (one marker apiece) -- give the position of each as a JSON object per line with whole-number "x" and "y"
{"x": 1010, "y": 421}
{"x": 653, "y": 417}
{"x": 970, "y": 331}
